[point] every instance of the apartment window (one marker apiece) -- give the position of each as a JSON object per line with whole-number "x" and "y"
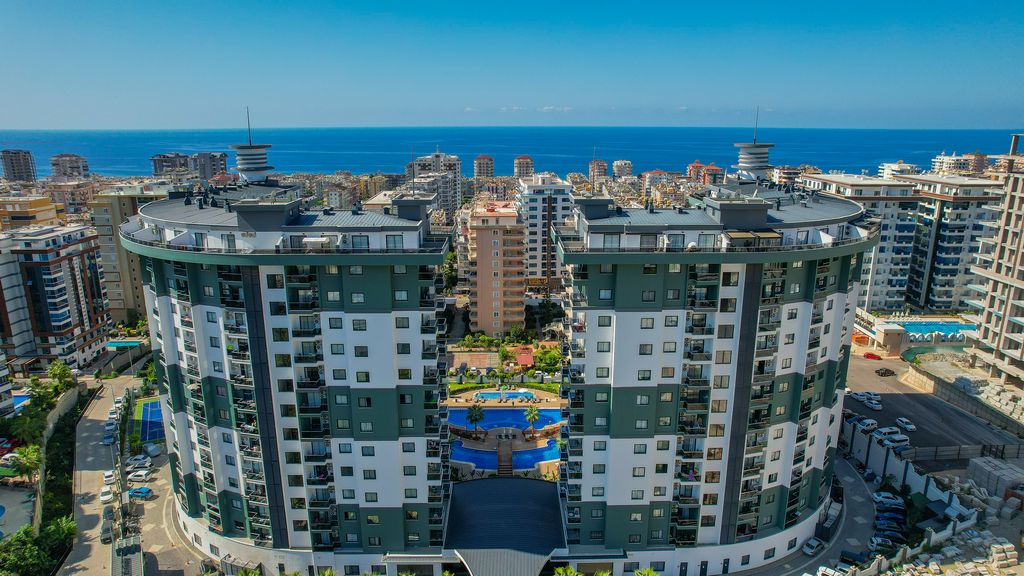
{"x": 597, "y": 491}
{"x": 366, "y": 426}
{"x": 608, "y": 268}
{"x": 369, "y": 474}
{"x": 362, "y": 376}
{"x": 672, "y": 294}
{"x": 643, "y": 375}
{"x": 646, "y": 349}
{"x": 600, "y": 421}
{"x": 640, "y": 424}
{"x": 710, "y": 499}
{"x": 604, "y": 294}
{"x": 726, "y": 331}
{"x": 719, "y": 406}
{"x": 208, "y": 291}
{"x": 712, "y": 477}
{"x": 787, "y": 363}
{"x": 345, "y": 448}
{"x": 730, "y": 279}
{"x": 358, "y": 298}
{"x": 647, "y": 323}
{"x": 668, "y": 372}
{"x": 331, "y": 269}
{"x": 401, "y": 322}
{"x": 334, "y": 296}
{"x": 636, "y": 495}
{"x": 401, "y": 295}
{"x": 791, "y": 314}
{"x": 211, "y": 317}
{"x": 745, "y": 559}
{"x": 602, "y": 372}
{"x": 714, "y": 453}
{"x": 275, "y": 281}
{"x": 597, "y": 513}
{"x": 343, "y": 424}
{"x": 707, "y": 520}
{"x": 369, "y": 451}
{"x": 600, "y": 397}
{"x": 769, "y": 553}
{"x": 639, "y": 471}
{"x": 671, "y": 321}
{"x": 780, "y": 410}
{"x": 403, "y": 348}
{"x": 600, "y": 445}
{"x": 789, "y": 338}
{"x": 668, "y": 347}
{"x": 640, "y": 448}
{"x": 716, "y": 430}
{"x": 355, "y": 270}
{"x": 604, "y": 320}
{"x": 335, "y": 323}
{"x": 218, "y": 366}
{"x": 794, "y": 288}
{"x": 650, "y": 268}
{"x": 675, "y": 268}
{"x": 361, "y": 351}
{"x": 604, "y": 346}
{"x": 214, "y": 342}
{"x": 723, "y": 357}
{"x": 359, "y": 325}
{"x": 598, "y": 468}
{"x": 410, "y": 493}
{"x": 647, "y": 295}
{"x": 364, "y": 402}
{"x": 338, "y": 349}
{"x": 278, "y": 309}
{"x": 661, "y": 445}
{"x": 282, "y": 360}
{"x": 339, "y": 374}
{"x": 721, "y": 381}
{"x": 405, "y": 374}
{"x": 279, "y": 334}
{"x": 727, "y": 305}
{"x": 406, "y": 423}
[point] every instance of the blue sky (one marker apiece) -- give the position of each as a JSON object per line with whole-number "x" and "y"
{"x": 130, "y": 64}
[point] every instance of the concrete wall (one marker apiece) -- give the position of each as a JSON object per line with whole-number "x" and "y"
{"x": 64, "y": 404}
{"x": 923, "y": 380}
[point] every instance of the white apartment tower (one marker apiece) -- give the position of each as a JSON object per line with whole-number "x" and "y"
{"x": 543, "y": 200}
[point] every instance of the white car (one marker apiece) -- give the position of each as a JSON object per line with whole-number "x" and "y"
{"x": 109, "y": 477}
{"x": 8, "y": 459}
{"x": 140, "y": 459}
{"x": 883, "y": 433}
{"x": 113, "y": 414}
{"x": 875, "y": 543}
{"x": 813, "y": 546}
{"x": 106, "y": 494}
{"x": 867, "y": 425}
{"x": 906, "y": 424}
{"x": 118, "y": 402}
{"x": 141, "y": 465}
{"x": 873, "y": 404}
{"x": 873, "y": 396}
{"x": 883, "y": 497}
{"x": 895, "y": 441}
{"x": 110, "y": 426}
{"x": 140, "y": 475}
{"x": 858, "y": 396}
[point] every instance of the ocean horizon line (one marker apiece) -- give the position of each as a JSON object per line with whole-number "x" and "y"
{"x": 513, "y": 127}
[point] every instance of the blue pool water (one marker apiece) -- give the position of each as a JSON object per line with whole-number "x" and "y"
{"x": 910, "y": 354}
{"x": 18, "y": 400}
{"x": 507, "y": 395}
{"x": 504, "y": 418}
{"x": 488, "y": 459}
{"x": 3, "y": 510}
{"x": 928, "y": 327}
{"x": 124, "y": 344}
{"x": 527, "y": 459}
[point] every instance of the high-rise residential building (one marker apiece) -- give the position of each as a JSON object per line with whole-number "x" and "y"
{"x": 483, "y": 167}
{"x": 52, "y": 292}
{"x": 19, "y": 166}
{"x": 890, "y": 170}
{"x": 74, "y": 195}
{"x": 206, "y": 165}
{"x": 543, "y": 200}
{"x": 973, "y": 164}
{"x": 431, "y": 168}
{"x": 6, "y": 398}
{"x": 785, "y": 175}
{"x": 491, "y": 241}
{"x": 122, "y": 274}
{"x": 69, "y": 166}
{"x": 298, "y": 368}
{"x": 954, "y": 214}
{"x": 997, "y": 341}
{"x": 168, "y": 161}
{"x": 706, "y": 174}
{"x": 886, "y": 269}
{"x": 19, "y": 211}
{"x": 707, "y": 363}
{"x": 522, "y": 167}
{"x": 597, "y": 170}
{"x": 622, "y": 168}
{"x": 651, "y": 178}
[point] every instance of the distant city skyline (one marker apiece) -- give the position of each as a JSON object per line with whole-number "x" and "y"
{"x": 139, "y": 66}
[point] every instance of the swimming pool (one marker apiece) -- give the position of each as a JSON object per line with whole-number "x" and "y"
{"x": 124, "y": 344}
{"x": 506, "y": 395}
{"x": 504, "y": 418}
{"x": 521, "y": 459}
{"x": 929, "y": 327}
{"x": 910, "y": 354}
{"x": 18, "y": 400}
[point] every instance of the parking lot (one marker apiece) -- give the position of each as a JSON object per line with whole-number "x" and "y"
{"x": 938, "y": 423}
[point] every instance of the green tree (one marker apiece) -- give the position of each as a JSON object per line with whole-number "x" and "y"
{"x": 447, "y": 573}
{"x": 28, "y": 426}
{"x": 567, "y": 571}
{"x": 645, "y": 572}
{"x": 60, "y": 374}
{"x": 475, "y": 415}
{"x": 58, "y": 535}
{"x": 29, "y": 458}
{"x": 519, "y": 335}
{"x": 504, "y": 355}
{"x": 532, "y": 415}
{"x": 602, "y": 573}
{"x": 328, "y": 572}
{"x": 248, "y": 572}
{"x": 20, "y": 554}
{"x": 135, "y": 442}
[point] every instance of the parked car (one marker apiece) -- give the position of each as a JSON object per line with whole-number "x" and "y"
{"x": 152, "y": 450}
{"x": 906, "y": 424}
{"x": 894, "y": 537}
{"x": 106, "y": 494}
{"x": 139, "y": 466}
{"x": 858, "y": 396}
{"x": 873, "y": 396}
{"x": 106, "y": 532}
{"x": 867, "y": 425}
{"x": 110, "y": 426}
{"x": 880, "y": 496}
{"x": 8, "y": 446}
{"x": 901, "y": 449}
{"x": 8, "y": 459}
{"x": 891, "y": 507}
{"x": 108, "y": 439}
{"x": 885, "y": 372}
{"x": 876, "y": 543}
{"x": 856, "y": 418}
{"x": 113, "y": 414}
{"x": 895, "y": 441}
{"x": 883, "y": 433}
{"x": 873, "y": 404}
{"x": 119, "y": 402}
{"x": 872, "y": 356}
{"x": 813, "y": 546}
{"x": 109, "y": 477}
{"x": 108, "y": 512}
{"x": 142, "y": 493}
{"x": 139, "y": 459}
{"x": 888, "y": 526}
{"x": 140, "y": 475}
{"x": 892, "y": 517}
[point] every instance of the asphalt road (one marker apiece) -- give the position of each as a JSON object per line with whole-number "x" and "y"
{"x": 938, "y": 423}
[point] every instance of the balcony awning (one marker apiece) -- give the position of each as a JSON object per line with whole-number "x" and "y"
{"x": 314, "y": 240}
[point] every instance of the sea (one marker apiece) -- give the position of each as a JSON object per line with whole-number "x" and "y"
{"x": 555, "y": 149}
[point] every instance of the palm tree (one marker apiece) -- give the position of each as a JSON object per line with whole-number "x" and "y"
{"x": 645, "y": 572}
{"x": 27, "y": 427}
{"x": 532, "y": 415}
{"x": 475, "y": 415}
{"x": 60, "y": 374}
{"x": 327, "y": 572}
{"x": 248, "y": 572}
{"x": 28, "y": 461}
{"x": 567, "y": 571}
{"x": 447, "y": 573}
{"x": 602, "y": 573}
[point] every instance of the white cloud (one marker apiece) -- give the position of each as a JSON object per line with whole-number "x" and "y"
{"x": 547, "y": 109}
{"x": 683, "y": 108}
{"x": 469, "y": 109}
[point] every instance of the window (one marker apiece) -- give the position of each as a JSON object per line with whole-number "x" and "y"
{"x": 662, "y": 445}
{"x": 369, "y": 474}
{"x": 604, "y": 346}
{"x": 672, "y": 294}
{"x": 650, "y": 269}
{"x": 406, "y": 423}
{"x": 639, "y": 471}
{"x": 218, "y": 366}
{"x": 791, "y": 314}
{"x": 331, "y": 269}
{"x": 401, "y": 322}
{"x": 359, "y": 325}
{"x": 675, "y": 268}
{"x": 362, "y": 376}
{"x": 211, "y": 317}
{"x": 358, "y": 298}
{"x": 789, "y": 338}
{"x": 671, "y": 321}
{"x": 278, "y": 309}
{"x": 366, "y": 426}
{"x": 600, "y": 421}
{"x": 643, "y": 375}
{"x": 727, "y": 305}
{"x": 334, "y": 296}
{"x": 214, "y": 342}
{"x": 339, "y": 374}
{"x": 668, "y": 347}
{"x": 401, "y": 295}
{"x": 721, "y": 381}
{"x": 647, "y": 295}
{"x": 726, "y": 331}
{"x": 282, "y": 360}
{"x": 405, "y": 374}
{"x": 600, "y": 397}
{"x": 602, "y": 372}
{"x": 665, "y": 397}
{"x": 730, "y": 279}
{"x": 769, "y": 553}
{"x": 275, "y": 281}
{"x": 710, "y": 499}
{"x": 640, "y": 448}
{"x": 712, "y": 477}
{"x": 714, "y": 453}
{"x": 597, "y": 491}
{"x": 604, "y": 294}
{"x": 335, "y": 323}
{"x": 668, "y": 372}
{"x": 719, "y": 406}
{"x": 355, "y": 270}
{"x": 600, "y": 445}
{"x": 640, "y": 424}
{"x": 646, "y": 349}
{"x": 636, "y": 495}
{"x": 604, "y": 320}
{"x": 716, "y": 430}
{"x": 399, "y": 269}
{"x": 338, "y": 349}
{"x": 279, "y": 334}
{"x": 723, "y": 357}
{"x": 208, "y": 291}
{"x": 646, "y": 323}
{"x": 598, "y": 468}
{"x": 361, "y": 351}
{"x": 707, "y": 520}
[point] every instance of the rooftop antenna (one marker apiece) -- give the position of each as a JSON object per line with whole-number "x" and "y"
{"x": 248, "y": 125}
{"x": 757, "y": 116}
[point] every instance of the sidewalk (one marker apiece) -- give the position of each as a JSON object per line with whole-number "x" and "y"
{"x": 856, "y": 528}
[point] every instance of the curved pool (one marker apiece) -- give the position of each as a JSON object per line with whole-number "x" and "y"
{"x": 3, "y": 510}
{"x": 488, "y": 459}
{"x": 910, "y": 354}
{"x": 504, "y": 418}
{"x": 932, "y": 326}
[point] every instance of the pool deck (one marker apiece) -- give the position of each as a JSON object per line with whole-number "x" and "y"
{"x": 19, "y": 512}
{"x": 467, "y": 398}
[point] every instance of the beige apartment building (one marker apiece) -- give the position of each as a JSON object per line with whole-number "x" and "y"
{"x": 122, "y": 273}
{"x": 494, "y": 238}
{"x": 74, "y": 195}
{"x": 20, "y": 211}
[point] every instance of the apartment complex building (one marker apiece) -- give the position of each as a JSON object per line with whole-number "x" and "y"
{"x": 890, "y": 170}
{"x": 973, "y": 164}
{"x": 886, "y": 269}
{"x": 19, "y": 166}
{"x": 492, "y": 255}
{"x": 954, "y": 214}
{"x": 122, "y": 273}
{"x": 19, "y": 211}
{"x": 439, "y": 174}
{"x": 298, "y": 364}
{"x": 206, "y": 165}
{"x": 69, "y": 166}
{"x": 168, "y": 162}
{"x": 52, "y": 295}
{"x": 483, "y": 166}
{"x": 622, "y": 168}
{"x": 701, "y": 173}
{"x": 597, "y": 170}
{"x": 707, "y": 361}
{"x": 522, "y": 167}
{"x": 542, "y": 200}
{"x": 74, "y": 195}
{"x": 998, "y": 298}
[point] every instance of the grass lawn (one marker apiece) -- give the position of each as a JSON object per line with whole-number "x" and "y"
{"x": 137, "y": 418}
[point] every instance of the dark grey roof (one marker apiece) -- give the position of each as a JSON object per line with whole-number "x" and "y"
{"x": 346, "y": 219}
{"x": 505, "y": 526}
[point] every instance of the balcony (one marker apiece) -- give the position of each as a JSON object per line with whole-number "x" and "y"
{"x": 312, "y": 409}
{"x": 698, "y": 356}
{"x": 702, "y": 305}
{"x": 697, "y": 382}
{"x": 700, "y": 330}
{"x": 320, "y": 480}
{"x": 307, "y": 306}
{"x": 241, "y": 354}
{"x": 232, "y": 303}
{"x": 306, "y": 332}
{"x": 310, "y": 384}
{"x": 236, "y": 328}
{"x": 308, "y": 358}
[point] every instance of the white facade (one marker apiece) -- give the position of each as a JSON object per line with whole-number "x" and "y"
{"x": 543, "y": 200}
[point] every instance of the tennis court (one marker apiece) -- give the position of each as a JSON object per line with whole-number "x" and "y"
{"x": 149, "y": 420}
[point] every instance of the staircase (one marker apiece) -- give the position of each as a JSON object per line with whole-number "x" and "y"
{"x": 504, "y": 458}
